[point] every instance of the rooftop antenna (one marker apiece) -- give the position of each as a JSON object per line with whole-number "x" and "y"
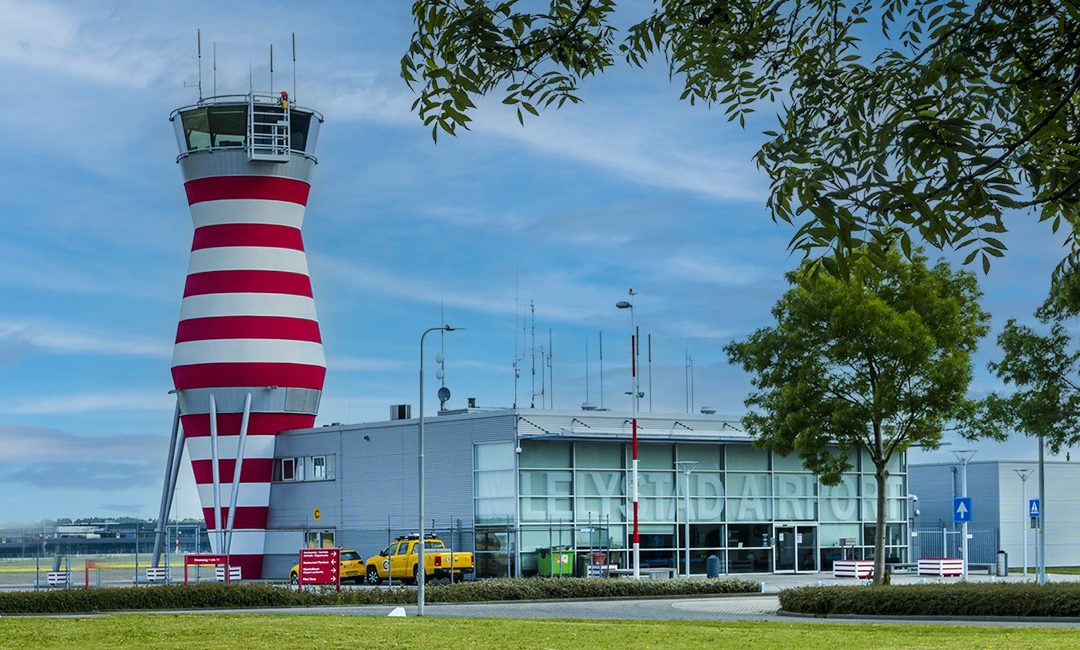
{"x": 271, "y": 68}
{"x": 586, "y": 366}
{"x": 198, "y": 54}
{"x": 686, "y": 372}
{"x": 532, "y": 351}
{"x": 551, "y": 370}
{"x": 441, "y": 359}
{"x": 215, "y": 68}
{"x": 294, "y": 71}
{"x": 650, "y": 372}
{"x": 517, "y": 318}
{"x": 601, "y": 370}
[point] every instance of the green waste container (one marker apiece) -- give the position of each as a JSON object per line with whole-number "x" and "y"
{"x": 556, "y": 561}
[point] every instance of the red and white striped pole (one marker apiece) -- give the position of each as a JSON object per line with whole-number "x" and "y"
{"x": 634, "y": 393}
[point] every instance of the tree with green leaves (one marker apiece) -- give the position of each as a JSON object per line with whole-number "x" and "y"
{"x": 872, "y": 365}
{"x": 1044, "y": 368}
{"x": 900, "y": 121}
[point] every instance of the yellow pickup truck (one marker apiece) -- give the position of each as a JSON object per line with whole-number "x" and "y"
{"x": 399, "y": 561}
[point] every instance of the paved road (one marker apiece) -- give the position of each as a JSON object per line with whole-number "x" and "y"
{"x": 721, "y": 608}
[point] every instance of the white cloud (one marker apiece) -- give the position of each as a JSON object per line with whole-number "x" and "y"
{"x": 116, "y": 400}
{"x": 364, "y": 363}
{"x": 713, "y": 271}
{"x": 29, "y": 334}
{"x": 51, "y": 37}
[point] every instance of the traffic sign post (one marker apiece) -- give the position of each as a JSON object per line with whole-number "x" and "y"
{"x": 1034, "y": 508}
{"x": 319, "y": 566}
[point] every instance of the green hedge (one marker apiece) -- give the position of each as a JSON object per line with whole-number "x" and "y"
{"x": 963, "y": 599}
{"x": 216, "y": 595}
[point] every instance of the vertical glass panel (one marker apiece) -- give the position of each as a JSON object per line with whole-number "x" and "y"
{"x": 495, "y": 511}
{"x": 653, "y": 456}
{"x": 759, "y": 561}
{"x": 601, "y": 509}
{"x": 650, "y": 509}
{"x": 795, "y": 485}
{"x": 543, "y": 483}
{"x": 494, "y": 455}
{"x": 602, "y": 455}
{"x": 790, "y": 463}
{"x": 494, "y": 484}
{"x": 656, "y": 484}
{"x": 748, "y": 535}
{"x": 601, "y": 483}
{"x": 746, "y": 458}
{"x": 748, "y": 485}
{"x": 196, "y": 128}
{"x": 544, "y": 453}
{"x": 749, "y": 509}
{"x": 832, "y": 534}
{"x": 869, "y": 485}
{"x": 894, "y": 487}
{"x": 228, "y": 125}
{"x": 706, "y": 484}
{"x": 299, "y": 123}
{"x": 547, "y": 509}
{"x": 894, "y": 509}
{"x": 707, "y": 509}
{"x": 707, "y": 456}
{"x": 895, "y": 465}
{"x": 847, "y": 487}
{"x": 839, "y": 509}
{"x": 796, "y": 509}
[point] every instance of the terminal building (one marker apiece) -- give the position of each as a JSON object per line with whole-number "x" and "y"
{"x": 510, "y": 484}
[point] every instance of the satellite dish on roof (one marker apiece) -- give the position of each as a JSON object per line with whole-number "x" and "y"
{"x": 444, "y": 394}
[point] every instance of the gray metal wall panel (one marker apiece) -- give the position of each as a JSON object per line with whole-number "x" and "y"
{"x": 997, "y": 501}
{"x": 375, "y": 479}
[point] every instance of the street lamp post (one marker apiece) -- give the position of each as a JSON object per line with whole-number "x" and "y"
{"x": 1042, "y": 511}
{"x": 421, "y": 570}
{"x": 1024, "y": 474}
{"x": 964, "y": 456}
{"x": 635, "y": 394}
{"x": 913, "y": 512}
{"x": 687, "y": 466}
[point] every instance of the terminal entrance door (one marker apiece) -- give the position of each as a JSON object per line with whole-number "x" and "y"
{"x": 796, "y": 549}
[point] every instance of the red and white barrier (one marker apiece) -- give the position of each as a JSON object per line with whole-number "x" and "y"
{"x": 941, "y": 567}
{"x": 859, "y": 569}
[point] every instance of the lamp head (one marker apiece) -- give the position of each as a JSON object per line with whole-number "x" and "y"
{"x": 622, "y": 304}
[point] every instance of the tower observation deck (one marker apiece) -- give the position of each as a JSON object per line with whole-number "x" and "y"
{"x": 248, "y": 358}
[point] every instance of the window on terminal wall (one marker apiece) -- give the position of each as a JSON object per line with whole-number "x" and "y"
{"x": 318, "y": 467}
{"x": 285, "y": 470}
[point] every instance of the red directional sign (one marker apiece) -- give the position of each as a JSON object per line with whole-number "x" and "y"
{"x": 320, "y": 566}
{"x": 206, "y": 558}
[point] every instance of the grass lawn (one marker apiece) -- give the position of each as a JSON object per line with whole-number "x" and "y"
{"x": 300, "y": 631}
{"x": 1065, "y": 570}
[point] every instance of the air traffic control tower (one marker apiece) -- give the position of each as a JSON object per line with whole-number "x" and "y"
{"x": 248, "y": 360}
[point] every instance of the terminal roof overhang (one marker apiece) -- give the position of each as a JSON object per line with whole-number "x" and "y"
{"x": 534, "y": 424}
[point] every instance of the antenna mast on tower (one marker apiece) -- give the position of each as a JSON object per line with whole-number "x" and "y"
{"x": 198, "y": 54}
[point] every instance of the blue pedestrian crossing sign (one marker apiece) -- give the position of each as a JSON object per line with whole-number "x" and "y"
{"x": 1033, "y": 508}
{"x": 961, "y": 509}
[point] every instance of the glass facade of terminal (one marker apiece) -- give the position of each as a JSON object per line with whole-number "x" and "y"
{"x": 755, "y": 511}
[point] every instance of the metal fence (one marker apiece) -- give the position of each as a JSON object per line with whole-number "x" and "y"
{"x": 96, "y": 570}
{"x": 983, "y": 544}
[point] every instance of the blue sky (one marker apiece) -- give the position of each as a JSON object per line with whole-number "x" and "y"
{"x": 631, "y": 189}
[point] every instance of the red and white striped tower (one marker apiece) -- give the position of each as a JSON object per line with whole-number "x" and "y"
{"x": 248, "y": 360}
